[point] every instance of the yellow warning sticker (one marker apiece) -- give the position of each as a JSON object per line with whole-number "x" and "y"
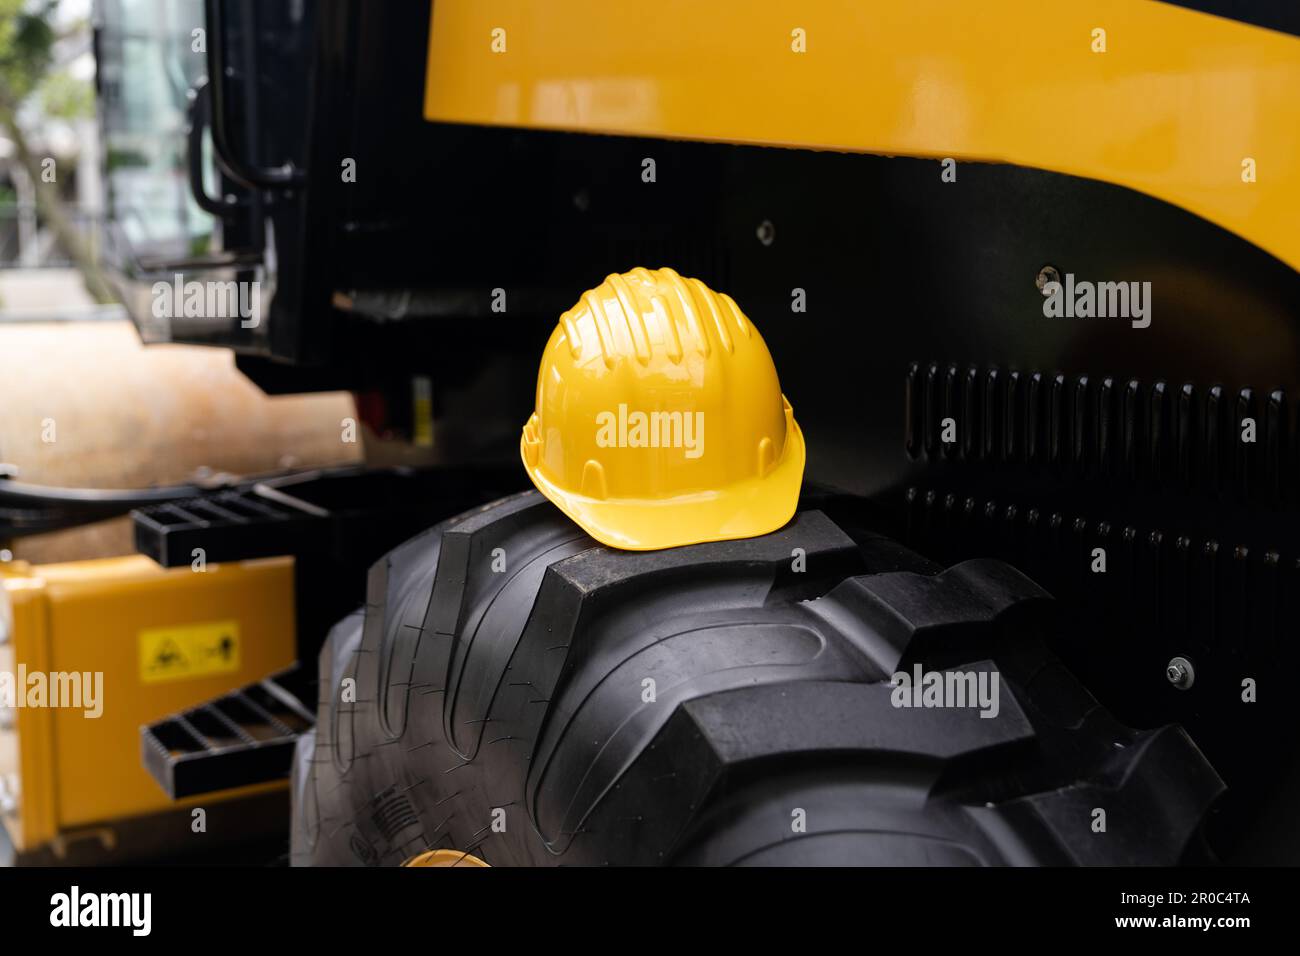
{"x": 189, "y": 650}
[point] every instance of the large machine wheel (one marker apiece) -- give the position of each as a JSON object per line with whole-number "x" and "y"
{"x": 514, "y": 691}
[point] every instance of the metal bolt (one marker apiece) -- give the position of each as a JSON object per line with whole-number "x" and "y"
{"x": 1180, "y": 673}
{"x": 1045, "y": 275}
{"x": 766, "y": 232}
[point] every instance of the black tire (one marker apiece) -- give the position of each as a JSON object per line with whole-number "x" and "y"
{"x": 502, "y": 712}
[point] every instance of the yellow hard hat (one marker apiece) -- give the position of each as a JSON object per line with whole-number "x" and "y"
{"x": 660, "y": 420}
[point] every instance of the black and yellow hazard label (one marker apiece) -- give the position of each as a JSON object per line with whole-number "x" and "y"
{"x": 189, "y": 650}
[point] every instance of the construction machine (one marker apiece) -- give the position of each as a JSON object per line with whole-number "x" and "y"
{"x": 1027, "y": 275}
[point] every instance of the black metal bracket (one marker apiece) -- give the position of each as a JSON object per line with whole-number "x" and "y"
{"x": 246, "y": 174}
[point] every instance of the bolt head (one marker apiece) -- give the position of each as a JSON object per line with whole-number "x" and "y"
{"x": 1180, "y": 673}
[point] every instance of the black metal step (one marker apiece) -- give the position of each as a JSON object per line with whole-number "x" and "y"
{"x": 351, "y": 515}
{"x": 244, "y": 737}
{"x": 230, "y": 526}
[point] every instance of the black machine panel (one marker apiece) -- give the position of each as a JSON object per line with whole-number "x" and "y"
{"x": 897, "y": 306}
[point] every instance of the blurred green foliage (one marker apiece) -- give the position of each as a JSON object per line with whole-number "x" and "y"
{"x": 65, "y": 96}
{"x": 26, "y": 48}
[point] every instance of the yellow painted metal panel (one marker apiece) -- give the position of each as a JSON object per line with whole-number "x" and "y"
{"x": 1173, "y": 107}
{"x": 31, "y": 736}
{"x": 87, "y": 618}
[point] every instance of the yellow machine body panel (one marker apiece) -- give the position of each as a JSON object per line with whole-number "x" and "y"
{"x": 1190, "y": 108}
{"x": 215, "y": 630}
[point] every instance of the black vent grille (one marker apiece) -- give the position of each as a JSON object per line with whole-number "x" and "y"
{"x": 1154, "y": 434}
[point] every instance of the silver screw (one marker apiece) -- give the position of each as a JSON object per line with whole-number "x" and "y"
{"x": 1180, "y": 673}
{"x": 766, "y": 232}
{"x": 1045, "y": 275}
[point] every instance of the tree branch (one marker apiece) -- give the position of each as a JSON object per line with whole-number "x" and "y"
{"x": 50, "y": 207}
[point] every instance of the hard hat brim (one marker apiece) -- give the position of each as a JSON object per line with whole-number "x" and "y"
{"x": 746, "y": 509}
